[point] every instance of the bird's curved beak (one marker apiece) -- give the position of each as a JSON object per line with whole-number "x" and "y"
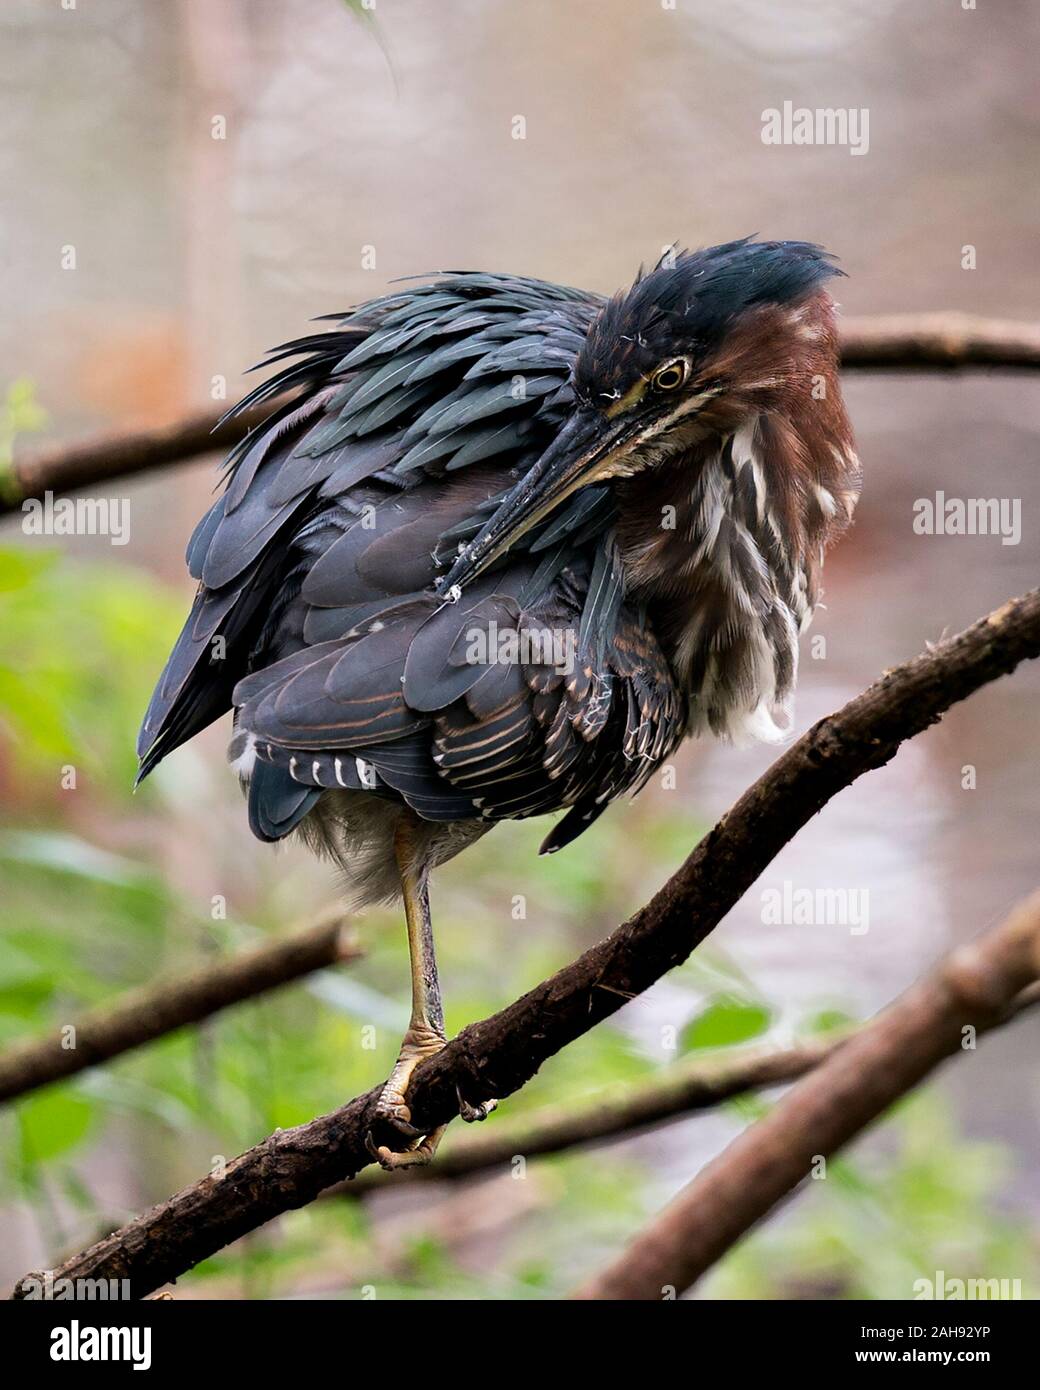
{"x": 585, "y": 451}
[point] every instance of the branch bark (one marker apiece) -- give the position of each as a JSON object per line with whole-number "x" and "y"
{"x": 147, "y": 1014}
{"x": 973, "y": 988}
{"x": 678, "y": 1092}
{"x": 916, "y": 342}
{"x": 944, "y": 341}
{"x": 62, "y": 468}
{"x": 499, "y": 1055}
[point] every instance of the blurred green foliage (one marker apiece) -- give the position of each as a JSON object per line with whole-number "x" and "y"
{"x": 20, "y": 413}
{"x": 79, "y": 646}
{"x": 89, "y": 909}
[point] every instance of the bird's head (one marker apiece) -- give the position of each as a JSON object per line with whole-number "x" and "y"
{"x": 696, "y": 347}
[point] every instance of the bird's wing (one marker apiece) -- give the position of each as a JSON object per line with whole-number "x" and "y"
{"x": 493, "y": 706}
{"x": 429, "y": 382}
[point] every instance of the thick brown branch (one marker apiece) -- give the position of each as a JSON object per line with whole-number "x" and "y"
{"x": 678, "y": 1092}
{"x": 973, "y": 989}
{"x": 938, "y": 341}
{"x": 148, "y": 1013}
{"x": 497, "y": 1056}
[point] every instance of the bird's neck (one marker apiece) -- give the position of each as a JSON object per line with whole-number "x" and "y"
{"x": 722, "y": 544}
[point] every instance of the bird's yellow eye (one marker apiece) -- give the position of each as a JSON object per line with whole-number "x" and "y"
{"x": 668, "y": 378}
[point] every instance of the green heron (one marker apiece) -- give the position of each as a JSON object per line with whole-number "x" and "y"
{"x": 502, "y": 548}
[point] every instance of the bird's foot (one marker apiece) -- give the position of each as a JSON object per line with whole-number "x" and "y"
{"x": 393, "y": 1109}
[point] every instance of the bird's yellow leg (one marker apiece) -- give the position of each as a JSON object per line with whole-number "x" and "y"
{"x": 425, "y": 1035}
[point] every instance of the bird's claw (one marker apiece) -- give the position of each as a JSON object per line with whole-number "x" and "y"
{"x": 420, "y": 1151}
{"x": 393, "y": 1109}
{"x": 473, "y": 1113}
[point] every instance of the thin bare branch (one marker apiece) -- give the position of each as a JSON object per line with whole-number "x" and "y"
{"x": 973, "y": 989}
{"x": 62, "y": 468}
{"x": 682, "y": 1091}
{"x": 148, "y": 1013}
{"x": 944, "y": 341}
{"x": 678, "y": 1092}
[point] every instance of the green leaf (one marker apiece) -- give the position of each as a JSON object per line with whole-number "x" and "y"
{"x": 727, "y": 1021}
{"x": 828, "y": 1021}
{"x": 52, "y": 1123}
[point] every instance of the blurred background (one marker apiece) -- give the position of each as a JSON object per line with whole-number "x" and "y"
{"x": 222, "y": 172}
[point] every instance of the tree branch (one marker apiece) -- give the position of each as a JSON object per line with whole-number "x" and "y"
{"x": 497, "y": 1056}
{"x": 62, "y": 468}
{"x": 938, "y": 341}
{"x": 974, "y": 987}
{"x": 146, "y": 1014}
{"x": 679, "y": 1091}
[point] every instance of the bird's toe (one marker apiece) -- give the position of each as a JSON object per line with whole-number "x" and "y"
{"x": 393, "y": 1109}
{"x": 472, "y": 1113}
{"x": 420, "y": 1151}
